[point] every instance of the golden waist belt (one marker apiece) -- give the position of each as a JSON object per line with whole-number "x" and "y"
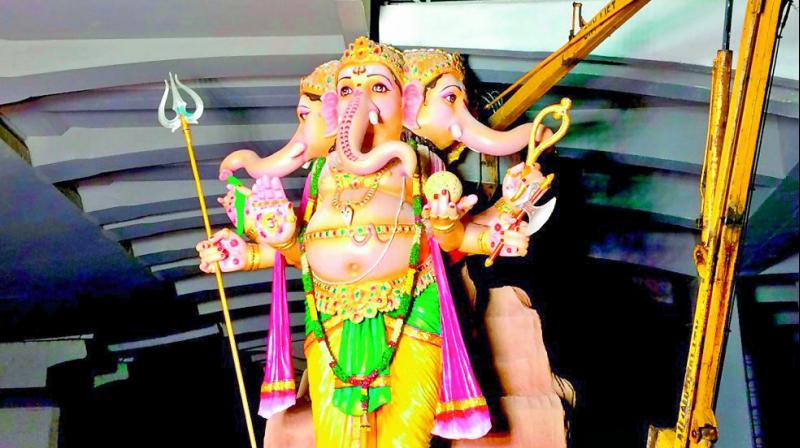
{"x": 368, "y": 298}
{"x": 359, "y": 234}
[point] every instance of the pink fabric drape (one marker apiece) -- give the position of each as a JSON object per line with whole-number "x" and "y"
{"x": 278, "y": 388}
{"x": 462, "y": 412}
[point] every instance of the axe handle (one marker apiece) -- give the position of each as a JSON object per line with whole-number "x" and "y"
{"x": 543, "y": 187}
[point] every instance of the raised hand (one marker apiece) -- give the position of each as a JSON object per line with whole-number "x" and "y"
{"x": 513, "y": 236}
{"x": 275, "y": 220}
{"x": 225, "y": 247}
{"x": 519, "y": 183}
{"x": 444, "y": 213}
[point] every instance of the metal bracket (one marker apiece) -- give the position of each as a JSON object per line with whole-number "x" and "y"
{"x": 577, "y": 8}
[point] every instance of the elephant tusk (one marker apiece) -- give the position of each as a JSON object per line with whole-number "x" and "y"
{"x": 456, "y": 132}
{"x": 373, "y": 117}
{"x": 297, "y": 150}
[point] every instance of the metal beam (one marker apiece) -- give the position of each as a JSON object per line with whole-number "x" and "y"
{"x": 544, "y": 76}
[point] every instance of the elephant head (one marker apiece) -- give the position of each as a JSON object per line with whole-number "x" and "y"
{"x": 367, "y": 109}
{"x": 435, "y": 106}
{"x": 313, "y": 138}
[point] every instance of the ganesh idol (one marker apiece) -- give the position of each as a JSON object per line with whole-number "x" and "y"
{"x": 378, "y": 303}
{"x": 386, "y": 363}
{"x": 436, "y": 112}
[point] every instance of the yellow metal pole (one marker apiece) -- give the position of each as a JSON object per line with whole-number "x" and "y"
{"x": 187, "y": 134}
{"x": 724, "y": 206}
{"x": 717, "y": 118}
{"x": 741, "y": 141}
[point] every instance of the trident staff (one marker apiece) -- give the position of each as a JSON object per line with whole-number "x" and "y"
{"x": 182, "y": 120}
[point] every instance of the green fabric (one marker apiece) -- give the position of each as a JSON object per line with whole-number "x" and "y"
{"x": 424, "y": 313}
{"x": 362, "y": 345}
{"x": 371, "y": 334}
{"x": 360, "y": 352}
{"x": 239, "y": 202}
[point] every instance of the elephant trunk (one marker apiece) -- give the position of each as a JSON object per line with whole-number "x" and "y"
{"x": 352, "y": 128}
{"x": 468, "y": 130}
{"x": 358, "y": 115}
{"x": 281, "y": 163}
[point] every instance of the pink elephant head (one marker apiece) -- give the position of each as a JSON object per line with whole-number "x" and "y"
{"x": 313, "y": 138}
{"x": 367, "y": 109}
{"x": 435, "y": 106}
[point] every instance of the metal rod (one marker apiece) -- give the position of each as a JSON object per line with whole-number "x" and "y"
{"x": 187, "y": 134}
{"x": 726, "y": 33}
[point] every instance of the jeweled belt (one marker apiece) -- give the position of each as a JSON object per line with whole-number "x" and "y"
{"x": 366, "y": 299}
{"x": 359, "y": 234}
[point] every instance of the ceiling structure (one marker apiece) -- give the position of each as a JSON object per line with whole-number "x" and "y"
{"x": 99, "y": 208}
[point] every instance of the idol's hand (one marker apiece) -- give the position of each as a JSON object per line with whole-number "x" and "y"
{"x": 519, "y": 183}
{"x": 514, "y": 239}
{"x": 227, "y": 201}
{"x": 443, "y": 213}
{"x": 225, "y": 247}
{"x": 274, "y": 215}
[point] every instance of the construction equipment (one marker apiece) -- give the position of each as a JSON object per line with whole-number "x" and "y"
{"x": 725, "y": 185}
{"x": 731, "y": 148}
{"x": 531, "y": 86}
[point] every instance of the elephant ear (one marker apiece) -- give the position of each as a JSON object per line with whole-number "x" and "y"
{"x": 412, "y": 101}
{"x": 329, "y": 102}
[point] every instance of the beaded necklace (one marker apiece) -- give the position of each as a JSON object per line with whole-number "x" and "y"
{"x": 405, "y": 302}
{"x": 347, "y": 208}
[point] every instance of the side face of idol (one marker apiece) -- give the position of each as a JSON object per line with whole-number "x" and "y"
{"x": 312, "y": 139}
{"x": 439, "y": 113}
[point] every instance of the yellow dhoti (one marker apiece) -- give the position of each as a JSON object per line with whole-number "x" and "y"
{"x": 406, "y": 421}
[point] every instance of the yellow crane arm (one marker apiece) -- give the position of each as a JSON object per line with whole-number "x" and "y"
{"x": 727, "y": 179}
{"x": 547, "y": 73}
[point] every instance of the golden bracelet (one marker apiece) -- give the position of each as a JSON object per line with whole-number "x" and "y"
{"x": 251, "y": 233}
{"x": 504, "y": 207}
{"x": 252, "y": 257}
{"x": 284, "y": 246}
{"x": 483, "y": 242}
{"x": 445, "y": 229}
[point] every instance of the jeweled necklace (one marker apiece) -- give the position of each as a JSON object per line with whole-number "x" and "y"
{"x": 347, "y": 208}
{"x": 405, "y": 302}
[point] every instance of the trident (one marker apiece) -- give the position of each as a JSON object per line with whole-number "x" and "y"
{"x": 182, "y": 120}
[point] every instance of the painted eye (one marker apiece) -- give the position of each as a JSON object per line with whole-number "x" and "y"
{"x": 450, "y": 98}
{"x": 344, "y": 91}
{"x": 380, "y": 88}
{"x": 302, "y": 116}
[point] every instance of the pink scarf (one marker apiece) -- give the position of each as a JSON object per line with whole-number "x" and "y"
{"x": 462, "y": 412}
{"x": 278, "y": 389}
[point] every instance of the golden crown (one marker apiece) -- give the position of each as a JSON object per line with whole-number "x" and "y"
{"x": 321, "y": 80}
{"x": 428, "y": 64}
{"x": 365, "y": 51}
